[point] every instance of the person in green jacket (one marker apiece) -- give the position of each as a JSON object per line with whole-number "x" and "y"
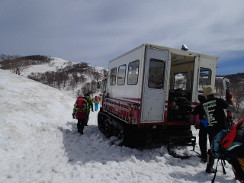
{"x": 90, "y": 105}
{"x": 80, "y": 113}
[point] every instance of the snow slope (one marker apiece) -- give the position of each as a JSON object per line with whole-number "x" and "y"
{"x": 39, "y": 143}
{"x": 54, "y": 65}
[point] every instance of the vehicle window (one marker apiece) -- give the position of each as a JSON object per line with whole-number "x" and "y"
{"x": 180, "y": 81}
{"x": 121, "y": 74}
{"x": 204, "y": 78}
{"x": 156, "y": 74}
{"x": 133, "y": 72}
{"x": 113, "y": 74}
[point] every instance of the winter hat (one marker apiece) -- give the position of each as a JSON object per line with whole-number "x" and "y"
{"x": 208, "y": 90}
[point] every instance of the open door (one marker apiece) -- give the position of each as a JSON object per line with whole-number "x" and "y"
{"x": 154, "y": 85}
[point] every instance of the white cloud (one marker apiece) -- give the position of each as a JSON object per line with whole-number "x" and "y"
{"x": 95, "y": 31}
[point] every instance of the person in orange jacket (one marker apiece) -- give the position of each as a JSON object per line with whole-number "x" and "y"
{"x": 96, "y": 102}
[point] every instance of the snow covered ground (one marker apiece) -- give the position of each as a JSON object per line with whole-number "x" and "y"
{"x": 39, "y": 143}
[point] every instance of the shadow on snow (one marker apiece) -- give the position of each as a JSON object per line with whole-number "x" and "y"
{"x": 94, "y": 146}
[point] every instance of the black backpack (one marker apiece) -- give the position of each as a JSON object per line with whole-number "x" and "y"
{"x": 229, "y": 145}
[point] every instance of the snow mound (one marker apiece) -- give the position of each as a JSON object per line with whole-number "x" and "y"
{"x": 39, "y": 143}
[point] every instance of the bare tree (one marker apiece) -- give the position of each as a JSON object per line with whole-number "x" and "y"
{"x": 7, "y": 57}
{"x": 105, "y": 72}
{"x": 219, "y": 87}
{"x": 16, "y": 65}
{"x": 86, "y": 88}
{"x": 74, "y": 80}
{"x": 93, "y": 86}
{"x": 97, "y": 75}
{"x": 237, "y": 89}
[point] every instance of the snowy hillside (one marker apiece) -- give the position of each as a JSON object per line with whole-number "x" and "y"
{"x": 71, "y": 77}
{"x": 39, "y": 143}
{"x": 54, "y": 65}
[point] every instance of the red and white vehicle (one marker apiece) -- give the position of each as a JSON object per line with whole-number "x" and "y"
{"x": 150, "y": 92}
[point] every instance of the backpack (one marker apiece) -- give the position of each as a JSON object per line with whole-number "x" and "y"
{"x": 226, "y": 142}
{"x": 81, "y": 105}
{"x": 234, "y": 138}
{"x": 216, "y": 148}
{"x": 229, "y": 145}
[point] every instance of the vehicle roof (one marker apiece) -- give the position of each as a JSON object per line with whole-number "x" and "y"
{"x": 173, "y": 50}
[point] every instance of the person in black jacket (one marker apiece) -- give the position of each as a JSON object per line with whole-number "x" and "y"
{"x": 202, "y": 127}
{"x": 89, "y": 107}
{"x": 217, "y": 121}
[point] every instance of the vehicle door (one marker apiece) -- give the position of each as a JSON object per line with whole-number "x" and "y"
{"x": 154, "y": 85}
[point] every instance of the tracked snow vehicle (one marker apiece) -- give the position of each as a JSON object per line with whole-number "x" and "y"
{"x": 150, "y": 92}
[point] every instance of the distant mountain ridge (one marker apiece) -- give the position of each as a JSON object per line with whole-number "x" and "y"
{"x": 239, "y": 77}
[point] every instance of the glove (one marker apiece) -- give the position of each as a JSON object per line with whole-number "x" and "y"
{"x": 229, "y": 96}
{"x": 73, "y": 116}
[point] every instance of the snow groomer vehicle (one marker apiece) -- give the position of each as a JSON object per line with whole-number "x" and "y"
{"x": 150, "y": 92}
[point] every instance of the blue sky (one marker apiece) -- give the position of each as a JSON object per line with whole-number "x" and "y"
{"x": 96, "y": 31}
